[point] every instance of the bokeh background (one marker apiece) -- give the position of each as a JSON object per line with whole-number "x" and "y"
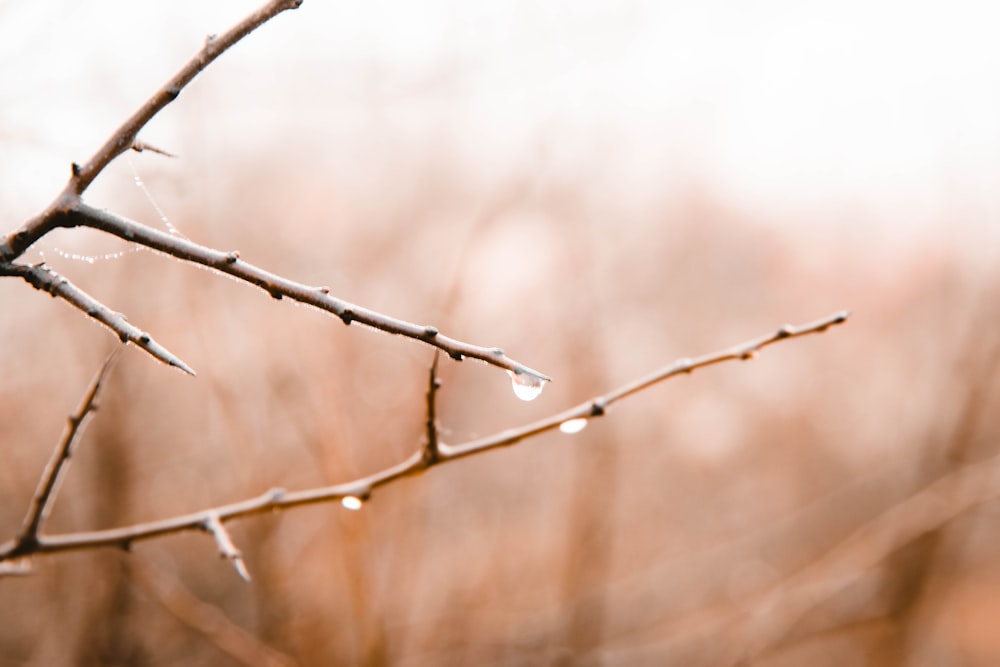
{"x": 597, "y": 187}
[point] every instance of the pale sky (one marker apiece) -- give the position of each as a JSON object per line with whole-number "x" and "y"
{"x": 889, "y": 106}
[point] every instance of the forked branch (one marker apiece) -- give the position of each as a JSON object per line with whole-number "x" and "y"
{"x": 361, "y": 489}
{"x": 125, "y": 136}
{"x": 69, "y": 210}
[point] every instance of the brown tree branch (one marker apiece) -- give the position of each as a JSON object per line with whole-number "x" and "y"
{"x": 48, "y": 485}
{"x": 69, "y": 210}
{"x": 279, "y": 499}
{"x": 570, "y": 420}
{"x": 230, "y": 263}
{"x": 432, "y": 446}
{"x": 41, "y": 277}
{"x": 124, "y": 138}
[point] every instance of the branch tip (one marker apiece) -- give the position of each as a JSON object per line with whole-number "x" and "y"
{"x": 224, "y": 543}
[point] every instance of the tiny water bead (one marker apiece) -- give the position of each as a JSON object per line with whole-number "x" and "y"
{"x": 573, "y": 425}
{"x": 527, "y": 387}
{"x": 352, "y": 503}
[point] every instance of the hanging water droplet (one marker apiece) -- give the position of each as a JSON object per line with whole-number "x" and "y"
{"x": 573, "y": 425}
{"x": 352, "y": 503}
{"x": 527, "y": 387}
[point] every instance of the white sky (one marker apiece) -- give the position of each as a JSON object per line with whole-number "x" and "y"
{"x": 890, "y": 106}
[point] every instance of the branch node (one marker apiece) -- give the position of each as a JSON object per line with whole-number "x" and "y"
{"x": 232, "y": 257}
{"x": 323, "y": 290}
{"x": 347, "y": 316}
{"x": 430, "y": 332}
{"x": 76, "y": 169}
{"x": 598, "y": 407}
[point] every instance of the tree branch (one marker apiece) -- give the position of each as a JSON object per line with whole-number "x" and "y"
{"x": 279, "y": 499}
{"x": 41, "y": 277}
{"x": 69, "y": 210}
{"x": 598, "y": 406}
{"x": 84, "y": 215}
{"x": 124, "y": 137}
{"x": 48, "y": 485}
{"x": 432, "y": 451}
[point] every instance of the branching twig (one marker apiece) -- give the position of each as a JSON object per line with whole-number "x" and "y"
{"x": 69, "y": 210}
{"x": 598, "y": 406}
{"x": 48, "y": 485}
{"x": 124, "y": 138}
{"x": 279, "y": 499}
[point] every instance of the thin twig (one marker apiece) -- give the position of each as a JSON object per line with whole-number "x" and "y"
{"x": 124, "y": 137}
{"x": 43, "y": 278}
{"x": 225, "y": 545}
{"x": 69, "y": 210}
{"x": 431, "y": 446}
{"x": 598, "y": 406}
{"x": 230, "y": 263}
{"x": 48, "y": 485}
{"x": 279, "y": 499}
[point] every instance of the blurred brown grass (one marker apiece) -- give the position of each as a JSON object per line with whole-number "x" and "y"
{"x": 646, "y": 539}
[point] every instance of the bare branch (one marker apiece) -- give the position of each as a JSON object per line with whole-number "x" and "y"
{"x": 68, "y": 210}
{"x": 225, "y": 544}
{"x": 48, "y": 485}
{"x": 140, "y": 146}
{"x": 230, "y": 263}
{"x": 41, "y": 277}
{"x": 597, "y": 407}
{"x": 279, "y": 499}
{"x": 431, "y": 446}
{"x": 124, "y": 138}
{"x": 215, "y": 45}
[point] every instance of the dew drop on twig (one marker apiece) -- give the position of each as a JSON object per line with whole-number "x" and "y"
{"x": 352, "y": 503}
{"x": 527, "y": 387}
{"x": 573, "y": 425}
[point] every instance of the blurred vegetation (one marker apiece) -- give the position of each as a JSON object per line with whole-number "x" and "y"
{"x": 649, "y": 538}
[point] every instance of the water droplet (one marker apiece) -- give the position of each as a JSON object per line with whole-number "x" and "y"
{"x": 573, "y": 425}
{"x": 527, "y": 387}
{"x": 352, "y": 503}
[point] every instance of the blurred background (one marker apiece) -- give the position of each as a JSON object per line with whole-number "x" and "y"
{"x": 597, "y": 187}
